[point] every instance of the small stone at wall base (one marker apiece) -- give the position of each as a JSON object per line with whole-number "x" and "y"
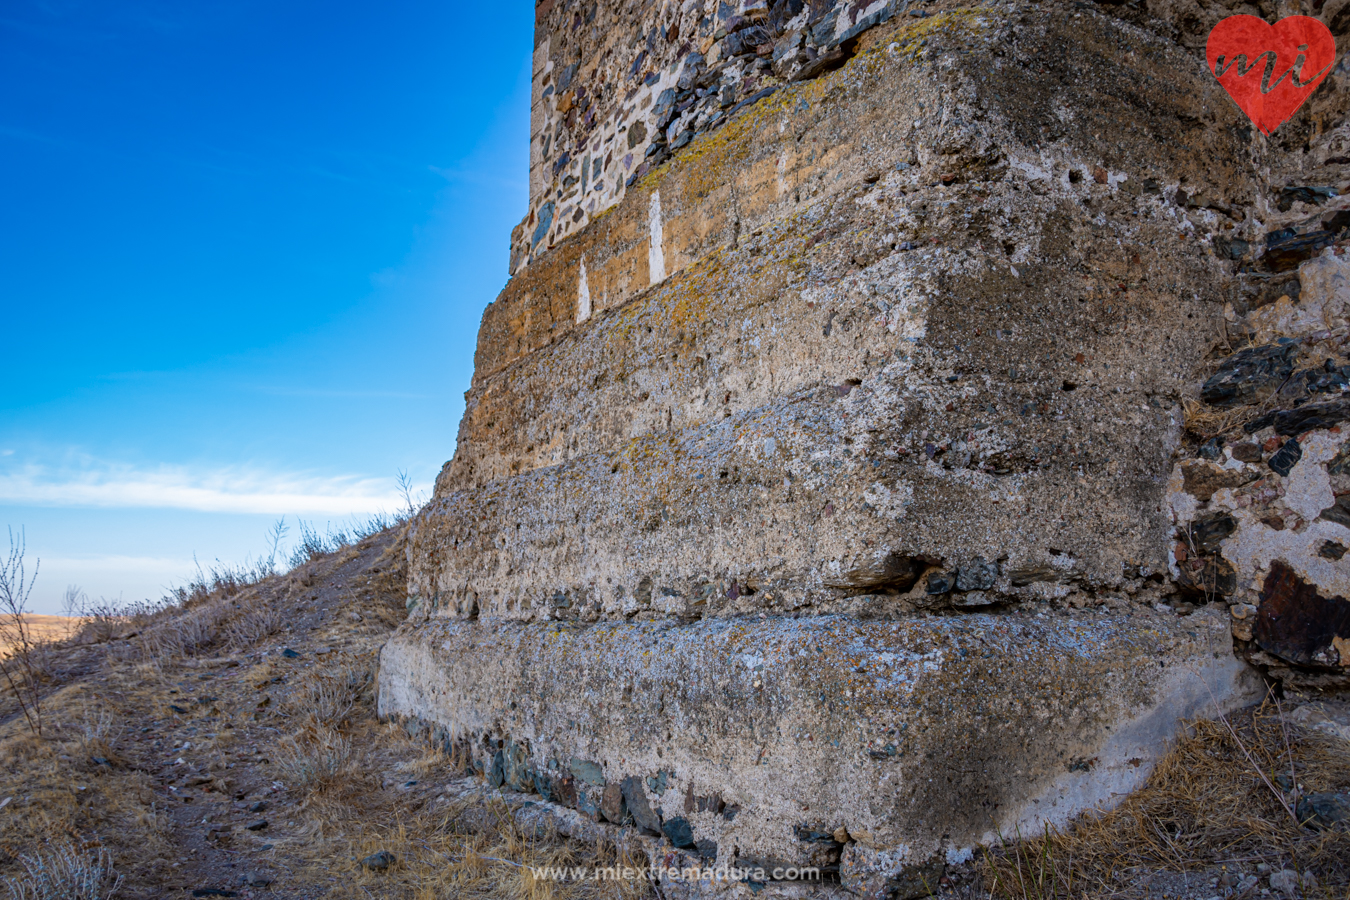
{"x": 638, "y": 807}
{"x": 680, "y": 833}
{"x": 613, "y": 807}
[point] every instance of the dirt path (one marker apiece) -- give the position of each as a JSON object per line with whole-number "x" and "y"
{"x": 173, "y": 759}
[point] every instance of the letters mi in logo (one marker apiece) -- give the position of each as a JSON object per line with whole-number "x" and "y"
{"x": 1269, "y": 70}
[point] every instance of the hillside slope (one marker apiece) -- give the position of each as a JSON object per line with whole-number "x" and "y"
{"x": 228, "y": 747}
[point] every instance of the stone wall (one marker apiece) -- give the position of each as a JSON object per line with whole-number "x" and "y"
{"x": 934, "y": 434}
{"x": 618, "y": 87}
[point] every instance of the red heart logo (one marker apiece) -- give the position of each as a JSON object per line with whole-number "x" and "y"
{"x": 1269, "y": 70}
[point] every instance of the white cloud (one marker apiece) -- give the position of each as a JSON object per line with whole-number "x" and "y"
{"x": 93, "y": 483}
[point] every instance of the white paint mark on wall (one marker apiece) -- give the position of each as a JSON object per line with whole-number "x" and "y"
{"x": 656, "y": 255}
{"x": 583, "y": 295}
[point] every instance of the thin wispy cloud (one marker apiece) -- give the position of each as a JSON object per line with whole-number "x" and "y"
{"x": 121, "y": 563}
{"x": 274, "y": 390}
{"x": 147, "y": 571}
{"x": 97, "y": 484}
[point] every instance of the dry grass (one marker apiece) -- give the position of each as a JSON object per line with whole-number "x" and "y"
{"x": 315, "y": 759}
{"x": 65, "y": 872}
{"x": 474, "y": 848}
{"x": 326, "y": 697}
{"x": 73, "y": 783}
{"x": 1206, "y": 421}
{"x": 448, "y": 838}
{"x": 97, "y": 732}
{"x": 229, "y": 621}
{"x": 177, "y": 633}
{"x": 44, "y": 629}
{"x": 256, "y": 620}
{"x": 1213, "y": 801}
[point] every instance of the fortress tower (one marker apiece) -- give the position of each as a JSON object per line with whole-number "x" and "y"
{"x": 863, "y": 460}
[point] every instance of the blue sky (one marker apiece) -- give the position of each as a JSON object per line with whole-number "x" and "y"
{"x": 244, "y": 251}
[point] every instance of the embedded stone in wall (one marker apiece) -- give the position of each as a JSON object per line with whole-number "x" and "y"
{"x": 1297, "y": 624}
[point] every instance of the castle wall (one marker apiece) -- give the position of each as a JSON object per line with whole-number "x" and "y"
{"x": 916, "y": 738}
{"x": 973, "y": 409}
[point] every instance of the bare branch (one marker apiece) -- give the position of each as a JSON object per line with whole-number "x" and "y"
{"x": 20, "y": 669}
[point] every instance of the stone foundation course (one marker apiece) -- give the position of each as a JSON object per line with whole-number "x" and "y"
{"x": 875, "y": 745}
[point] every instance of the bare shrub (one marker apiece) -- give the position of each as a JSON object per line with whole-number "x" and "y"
{"x": 223, "y": 581}
{"x": 100, "y": 620}
{"x": 267, "y": 567}
{"x": 411, "y": 503}
{"x": 314, "y": 546}
{"x": 23, "y": 668}
{"x": 220, "y": 610}
{"x": 327, "y": 697}
{"x": 66, "y": 872}
{"x": 315, "y": 759}
{"x": 186, "y": 633}
{"x": 97, "y": 731}
{"x": 256, "y": 620}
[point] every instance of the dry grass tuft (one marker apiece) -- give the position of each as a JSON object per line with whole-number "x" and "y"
{"x": 174, "y": 634}
{"x": 315, "y": 759}
{"x": 326, "y": 697}
{"x": 65, "y": 872}
{"x": 1205, "y": 421}
{"x": 97, "y": 732}
{"x": 256, "y": 619}
{"x": 1213, "y": 801}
